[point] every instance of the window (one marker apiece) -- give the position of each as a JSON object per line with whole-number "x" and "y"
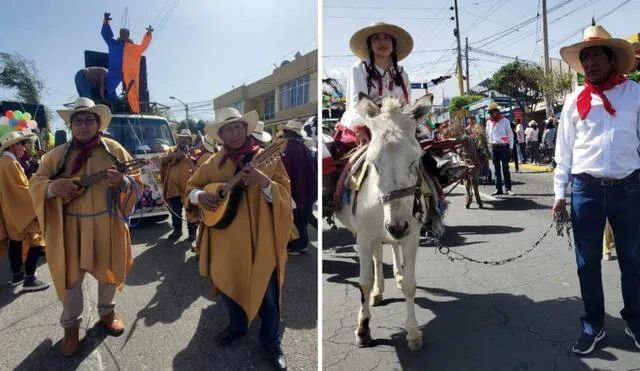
{"x": 238, "y": 105}
{"x": 141, "y": 135}
{"x": 294, "y": 93}
{"x": 269, "y": 106}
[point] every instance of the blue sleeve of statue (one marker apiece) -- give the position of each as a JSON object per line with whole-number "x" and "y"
{"x": 107, "y": 34}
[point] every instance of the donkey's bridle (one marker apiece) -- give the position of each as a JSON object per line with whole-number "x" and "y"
{"x": 418, "y": 210}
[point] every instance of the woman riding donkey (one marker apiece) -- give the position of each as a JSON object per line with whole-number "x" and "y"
{"x": 379, "y": 47}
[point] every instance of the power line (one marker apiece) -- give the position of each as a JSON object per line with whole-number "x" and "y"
{"x": 413, "y": 52}
{"x": 408, "y": 18}
{"x": 376, "y": 7}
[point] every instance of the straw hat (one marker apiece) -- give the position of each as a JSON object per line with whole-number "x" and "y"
{"x": 532, "y": 123}
{"x": 597, "y": 36}
{"x": 228, "y": 115}
{"x": 492, "y": 106}
{"x": 185, "y": 133}
{"x": 12, "y": 138}
{"x": 296, "y": 127}
{"x": 87, "y": 105}
{"x": 208, "y": 143}
{"x": 404, "y": 41}
{"x": 260, "y": 134}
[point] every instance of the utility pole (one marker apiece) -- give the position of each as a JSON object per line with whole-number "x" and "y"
{"x": 466, "y": 53}
{"x": 186, "y": 107}
{"x": 545, "y": 37}
{"x": 456, "y": 32}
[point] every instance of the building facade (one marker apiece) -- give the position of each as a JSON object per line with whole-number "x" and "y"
{"x": 290, "y": 92}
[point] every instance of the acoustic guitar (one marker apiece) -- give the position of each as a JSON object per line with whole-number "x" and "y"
{"x": 230, "y": 193}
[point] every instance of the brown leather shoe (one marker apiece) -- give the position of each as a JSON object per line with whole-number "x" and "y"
{"x": 70, "y": 341}
{"x": 112, "y": 323}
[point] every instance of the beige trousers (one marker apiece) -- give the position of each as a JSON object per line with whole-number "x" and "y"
{"x": 73, "y": 303}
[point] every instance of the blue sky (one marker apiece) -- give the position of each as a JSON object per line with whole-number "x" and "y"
{"x": 429, "y": 24}
{"x": 200, "y": 47}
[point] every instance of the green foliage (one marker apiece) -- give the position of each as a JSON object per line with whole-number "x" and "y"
{"x": 556, "y": 86}
{"x": 21, "y": 74}
{"x": 635, "y": 76}
{"x": 192, "y": 125}
{"x": 463, "y": 100}
{"x": 519, "y": 80}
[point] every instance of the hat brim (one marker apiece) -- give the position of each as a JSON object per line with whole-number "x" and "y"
{"x": 404, "y": 41}
{"x": 19, "y": 139}
{"x": 99, "y": 109}
{"x": 300, "y": 131}
{"x": 208, "y": 145}
{"x": 263, "y": 136}
{"x": 624, "y": 54}
{"x": 250, "y": 118}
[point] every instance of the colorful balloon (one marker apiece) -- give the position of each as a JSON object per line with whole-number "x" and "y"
{"x": 26, "y": 116}
{"x": 5, "y": 129}
{"x": 17, "y": 115}
{"x": 4, "y": 121}
{"x": 32, "y": 124}
{"x": 22, "y": 122}
{"x": 9, "y": 114}
{"x": 13, "y": 122}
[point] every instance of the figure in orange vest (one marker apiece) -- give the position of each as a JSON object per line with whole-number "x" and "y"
{"x": 131, "y": 68}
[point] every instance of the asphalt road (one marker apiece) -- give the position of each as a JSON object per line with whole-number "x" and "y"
{"x": 522, "y": 315}
{"x": 171, "y": 317}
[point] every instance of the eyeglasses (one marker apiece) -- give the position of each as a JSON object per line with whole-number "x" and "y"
{"x": 85, "y": 122}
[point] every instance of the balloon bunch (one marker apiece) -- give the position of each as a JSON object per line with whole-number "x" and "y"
{"x": 18, "y": 120}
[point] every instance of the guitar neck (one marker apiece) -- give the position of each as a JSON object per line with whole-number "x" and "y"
{"x": 92, "y": 179}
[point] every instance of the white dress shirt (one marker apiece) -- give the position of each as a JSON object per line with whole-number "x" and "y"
{"x": 531, "y": 135}
{"x": 601, "y": 145}
{"x": 496, "y": 132}
{"x": 357, "y": 84}
{"x": 520, "y": 133}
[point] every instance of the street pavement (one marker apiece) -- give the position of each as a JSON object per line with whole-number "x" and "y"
{"x": 522, "y": 315}
{"x": 170, "y": 315}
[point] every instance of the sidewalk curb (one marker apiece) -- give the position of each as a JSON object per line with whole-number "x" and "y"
{"x": 545, "y": 168}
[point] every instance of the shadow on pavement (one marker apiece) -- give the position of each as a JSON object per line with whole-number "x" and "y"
{"x": 48, "y": 356}
{"x": 498, "y": 332}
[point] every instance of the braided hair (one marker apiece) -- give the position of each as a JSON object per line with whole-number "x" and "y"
{"x": 394, "y": 71}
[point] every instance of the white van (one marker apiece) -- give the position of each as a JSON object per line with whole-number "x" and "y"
{"x": 144, "y": 136}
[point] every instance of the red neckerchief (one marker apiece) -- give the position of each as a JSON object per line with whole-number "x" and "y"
{"x": 236, "y": 155}
{"x": 493, "y": 123}
{"x": 584, "y": 98}
{"x": 85, "y": 151}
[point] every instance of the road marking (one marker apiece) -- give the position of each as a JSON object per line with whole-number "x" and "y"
{"x": 484, "y": 196}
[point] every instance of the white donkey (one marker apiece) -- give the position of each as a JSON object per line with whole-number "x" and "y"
{"x": 388, "y": 207}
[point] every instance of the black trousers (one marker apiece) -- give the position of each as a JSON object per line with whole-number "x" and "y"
{"x": 15, "y": 258}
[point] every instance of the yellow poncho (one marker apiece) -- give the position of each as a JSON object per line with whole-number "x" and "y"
{"x": 17, "y": 218}
{"x": 241, "y": 258}
{"x": 98, "y": 244}
{"x": 174, "y": 177}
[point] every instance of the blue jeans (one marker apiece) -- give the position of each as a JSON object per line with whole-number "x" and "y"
{"x": 501, "y": 162}
{"x": 176, "y": 216}
{"x": 591, "y": 204}
{"x": 301, "y": 217}
{"x": 83, "y": 86}
{"x": 522, "y": 153}
{"x": 269, "y": 313}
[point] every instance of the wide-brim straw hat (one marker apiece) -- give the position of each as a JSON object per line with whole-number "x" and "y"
{"x": 260, "y": 134}
{"x": 296, "y": 127}
{"x": 404, "y": 41}
{"x": 186, "y": 133}
{"x": 228, "y": 115}
{"x": 492, "y": 106}
{"x": 87, "y": 105}
{"x": 596, "y": 35}
{"x": 208, "y": 143}
{"x": 14, "y": 137}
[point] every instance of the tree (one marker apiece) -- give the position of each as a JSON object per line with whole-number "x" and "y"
{"x": 192, "y": 125}
{"x": 519, "y": 80}
{"x": 635, "y": 76}
{"x": 21, "y": 74}
{"x": 460, "y": 101}
{"x": 556, "y": 86}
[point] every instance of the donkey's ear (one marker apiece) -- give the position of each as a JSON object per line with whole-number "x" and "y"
{"x": 366, "y": 107}
{"x": 421, "y": 107}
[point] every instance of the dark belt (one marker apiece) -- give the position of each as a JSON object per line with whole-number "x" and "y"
{"x": 500, "y": 144}
{"x": 607, "y": 181}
